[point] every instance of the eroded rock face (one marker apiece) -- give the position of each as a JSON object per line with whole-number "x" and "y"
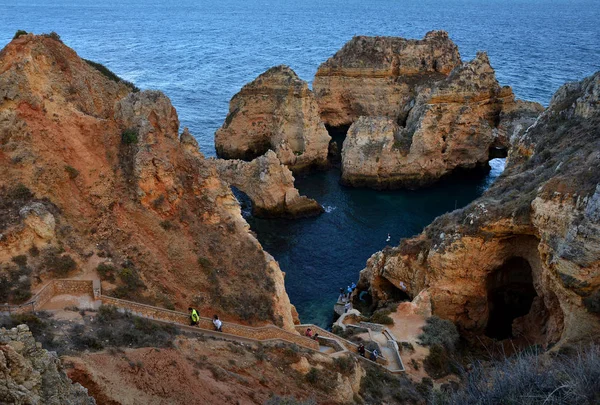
{"x": 118, "y": 181}
{"x": 525, "y": 257}
{"x": 276, "y": 111}
{"x": 32, "y": 375}
{"x": 270, "y": 186}
{"x": 452, "y": 124}
{"x": 378, "y": 76}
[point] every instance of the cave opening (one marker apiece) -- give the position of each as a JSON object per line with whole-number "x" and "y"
{"x": 338, "y": 135}
{"x": 510, "y": 293}
{"x": 497, "y": 152}
{"x": 392, "y": 292}
{"x": 244, "y": 200}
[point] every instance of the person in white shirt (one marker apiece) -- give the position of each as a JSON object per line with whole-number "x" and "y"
{"x": 218, "y": 324}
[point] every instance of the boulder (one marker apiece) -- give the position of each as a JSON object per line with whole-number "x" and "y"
{"x": 270, "y": 186}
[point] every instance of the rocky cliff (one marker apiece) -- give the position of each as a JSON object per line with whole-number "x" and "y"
{"x": 424, "y": 113}
{"x": 378, "y": 76}
{"x": 451, "y": 124}
{"x": 93, "y": 171}
{"x": 523, "y": 260}
{"x": 32, "y": 375}
{"x": 270, "y": 186}
{"x": 276, "y": 111}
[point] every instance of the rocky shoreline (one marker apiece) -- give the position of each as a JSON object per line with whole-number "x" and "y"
{"x": 414, "y": 110}
{"x": 97, "y": 181}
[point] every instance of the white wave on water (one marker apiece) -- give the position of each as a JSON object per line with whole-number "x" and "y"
{"x": 329, "y": 208}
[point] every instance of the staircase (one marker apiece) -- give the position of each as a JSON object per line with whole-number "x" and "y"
{"x": 327, "y": 342}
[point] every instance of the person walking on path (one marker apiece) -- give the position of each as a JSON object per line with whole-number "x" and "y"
{"x": 194, "y": 316}
{"x": 361, "y": 349}
{"x": 374, "y": 355}
{"x": 218, "y": 324}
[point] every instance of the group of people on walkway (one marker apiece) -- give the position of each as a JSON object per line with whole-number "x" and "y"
{"x": 195, "y": 319}
{"x": 362, "y": 351}
{"x": 309, "y": 334}
{"x": 345, "y": 294}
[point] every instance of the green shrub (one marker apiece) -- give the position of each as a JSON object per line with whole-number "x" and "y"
{"x": 129, "y": 136}
{"x": 72, "y": 172}
{"x": 20, "y": 260}
{"x": 106, "y": 272}
{"x": 313, "y": 376}
{"x": 57, "y": 264}
{"x": 592, "y": 303}
{"x": 277, "y": 400}
{"x": 533, "y": 379}
{"x": 110, "y": 75}
{"x": 20, "y": 192}
{"x": 382, "y": 317}
{"x": 34, "y": 251}
{"x": 19, "y": 33}
{"x": 167, "y": 225}
{"x": 53, "y": 35}
{"x": 439, "y": 332}
{"x": 438, "y": 363}
{"x": 204, "y": 262}
{"x": 15, "y": 282}
{"x": 344, "y": 364}
{"x": 378, "y": 386}
{"x": 132, "y": 286}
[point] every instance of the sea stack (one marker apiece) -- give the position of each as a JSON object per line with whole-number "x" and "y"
{"x": 276, "y": 111}
{"x": 415, "y": 112}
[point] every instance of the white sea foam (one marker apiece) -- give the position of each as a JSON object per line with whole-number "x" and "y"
{"x": 329, "y": 208}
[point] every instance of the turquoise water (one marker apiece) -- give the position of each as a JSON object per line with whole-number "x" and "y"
{"x": 201, "y": 52}
{"x": 321, "y": 255}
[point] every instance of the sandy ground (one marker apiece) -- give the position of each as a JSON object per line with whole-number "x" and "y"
{"x": 59, "y": 302}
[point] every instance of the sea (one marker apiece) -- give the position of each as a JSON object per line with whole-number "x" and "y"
{"x": 201, "y": 52}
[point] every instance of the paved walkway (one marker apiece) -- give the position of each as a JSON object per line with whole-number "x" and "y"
{"x": 59, "y": 294}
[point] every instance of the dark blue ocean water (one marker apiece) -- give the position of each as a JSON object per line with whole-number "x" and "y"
{"x": 201, "y": 52}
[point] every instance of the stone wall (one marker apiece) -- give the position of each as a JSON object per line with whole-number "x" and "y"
{"x": 348, "y": 345}
{"x": 73, "y": 287}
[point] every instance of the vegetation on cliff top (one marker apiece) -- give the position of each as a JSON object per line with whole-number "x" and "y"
{"x": 532, "y": 378}
{"x": 110, "y": 75}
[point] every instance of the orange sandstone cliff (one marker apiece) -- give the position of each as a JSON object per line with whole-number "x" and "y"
{"x": 522, "y": 261}
{"x": 276, "y": 111}
{"x": 93, "y": 171}
{"x": 415, "y": 112}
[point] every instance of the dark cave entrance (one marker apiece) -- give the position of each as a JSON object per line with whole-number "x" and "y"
{"x": 337, "y": 134}
{"x": 392, "y": 292}
{"x": 497, "y": 152}
{"x": 244, "y": 200}
{"x": 510, "y": 295}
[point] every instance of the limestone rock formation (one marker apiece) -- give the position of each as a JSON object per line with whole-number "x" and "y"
{"x": 425, "y": 113}
{"x": 96, "y": 170}
{"x": 276, "y": 111}
{"x": 524, "y": 259}
{"x": 32, "y": 375}
{"x": 452, "y": 124}
{"x": 270, "y": 186}
{"x": 378, "y": 76}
